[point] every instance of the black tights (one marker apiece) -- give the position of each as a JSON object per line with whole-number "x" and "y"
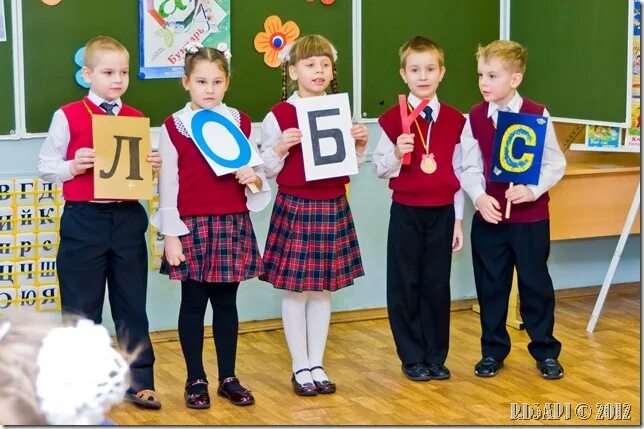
{"x": 194, "y": 299}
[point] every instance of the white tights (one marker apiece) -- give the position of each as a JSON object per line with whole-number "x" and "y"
{"x": 306, "y": 317}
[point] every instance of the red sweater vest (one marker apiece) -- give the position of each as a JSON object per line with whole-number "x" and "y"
{"x": 412, "y": 187}
{"x": 81, "y": 187}
{"x": 291, "y": 179}
{"x": 201, "y": 191}
{"x": 483, "y": 131}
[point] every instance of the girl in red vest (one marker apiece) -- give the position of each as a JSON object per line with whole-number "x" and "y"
{"x": 209, "y": 240}
{"x": 312, "y": 248}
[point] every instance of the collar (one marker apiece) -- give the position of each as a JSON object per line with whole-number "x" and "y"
{"x": 222, "y": 109}
{"x": 433, "y": 103}
{"x": 94, "y": 98}
{"x": 514, "y": 105}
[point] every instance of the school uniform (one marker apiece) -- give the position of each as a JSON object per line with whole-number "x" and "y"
{"x": 210, "y": 214}
{"x": 312, "y": 243}
{"x": 522, "y": 241}
{"x": 99, "y": 240}
{"x": 421, "y": 227}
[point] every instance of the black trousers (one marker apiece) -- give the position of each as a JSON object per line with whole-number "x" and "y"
{"x": 496, "y": 250}
{"x": 225, "y": 325}
{"x": 419, "y": 258}
{"x": 105, "y": 242}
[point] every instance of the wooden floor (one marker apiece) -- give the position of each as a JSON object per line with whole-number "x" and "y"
{"x": 600, "y": 368}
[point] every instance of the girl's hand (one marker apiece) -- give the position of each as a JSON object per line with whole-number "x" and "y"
{"x": 404, "y": 144}
{"x": 173, "y": 250}
{"x": 457, "y": 238}
{"x": 246, "y": 176}
{"x": 83, "y": 159}
{"x": 489, "y": 208}
{"x": 155, "y": 159}
{"x": 290, "y": 138}
{"x": 360, "y": 134}
{"x": 519, "y": 194}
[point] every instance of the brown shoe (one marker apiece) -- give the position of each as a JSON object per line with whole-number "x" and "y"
{"x": 306, "y": 389}
{"x": 145, "y": 398}
{"x": 237, "y": 394}
{"x": 196, "y": 393}
{"x": 323, "y": 387}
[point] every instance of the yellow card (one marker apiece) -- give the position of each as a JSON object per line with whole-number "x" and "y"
{"x": 122, "y": 144}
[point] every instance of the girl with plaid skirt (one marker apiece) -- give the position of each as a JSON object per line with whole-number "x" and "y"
{"x": 209, "y": 240}
{"x": 312, "y": 248}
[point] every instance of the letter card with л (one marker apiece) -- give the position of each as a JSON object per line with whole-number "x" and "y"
{"x": 121, "y": 170}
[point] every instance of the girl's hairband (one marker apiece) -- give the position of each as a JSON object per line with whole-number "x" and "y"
{"x": 285, "y": 54}
{"x": 192, "y": 48}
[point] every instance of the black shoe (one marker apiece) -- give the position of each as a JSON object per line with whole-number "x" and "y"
{"x": 416, "y": 372}
{"x": 487, "y": 367}
{"x": 550, "y": 369}
{"x": 438, "y": 371}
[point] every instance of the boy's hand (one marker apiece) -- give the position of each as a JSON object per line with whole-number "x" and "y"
{"x": 404, "y": 144}
{"x": 290, "y": 138}
{"x": 519, "y": 194}
{"x": 360, "y": 134}
{"x": 173, "y": 250}
{"x": 83, "y": 159}
{"x": 489, "y": 208}
{"x": 155, "y": 159}
{"x": 246, "y": 176}
{"x": 457, "y": 238}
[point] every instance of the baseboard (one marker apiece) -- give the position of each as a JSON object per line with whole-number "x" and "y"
{"x": 381, "y": 312}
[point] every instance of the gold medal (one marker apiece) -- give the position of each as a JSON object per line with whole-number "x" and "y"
{"x": 428, "y": 164}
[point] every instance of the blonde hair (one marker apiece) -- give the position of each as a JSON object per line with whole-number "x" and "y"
{"x": 512, "y": 54}
{"x": 206, "y": 54}
{"x": 305, "y": 47}
{"x": 99, "y": 44}
{"x": 420, "y": 44}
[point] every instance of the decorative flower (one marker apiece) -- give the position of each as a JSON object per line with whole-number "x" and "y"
{"x": 324, "y": 2}
{"x": 276, "y": 36}
{"x": 192, "y": 48}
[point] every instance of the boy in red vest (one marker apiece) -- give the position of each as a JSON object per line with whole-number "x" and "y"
{"x": 101, "y": 241}
{"x": 425, "y": 224}
{"x": 522, "y": 240}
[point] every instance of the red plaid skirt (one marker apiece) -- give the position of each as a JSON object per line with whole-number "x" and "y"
{"x": 311, "y": 245}
{"x": 217, "y": 249}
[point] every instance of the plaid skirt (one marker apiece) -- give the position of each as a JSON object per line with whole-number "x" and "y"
{"x": 311, "y": 245}
{"x": 217, "y": 249}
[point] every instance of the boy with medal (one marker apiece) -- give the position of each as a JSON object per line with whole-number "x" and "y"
{"x": 425, "y": 224}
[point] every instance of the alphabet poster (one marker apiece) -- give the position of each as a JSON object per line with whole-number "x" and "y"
{"x": 220, "y": 141}
{"x": 30, "y": 211}
{"x": 327, "y": 146}
{"x": 122, "y": 144}
{"x": 518, "y": 148}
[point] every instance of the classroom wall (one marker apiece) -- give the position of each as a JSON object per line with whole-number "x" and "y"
{"x": 573, "y": 263}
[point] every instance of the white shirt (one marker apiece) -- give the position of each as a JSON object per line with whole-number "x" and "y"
{"x": 553, "y": 163}
{"x": 387, "y": 166}
{"x": 271, "y": 134}
{"x": 53, "y": 165}
{"x": 166, "y": 219}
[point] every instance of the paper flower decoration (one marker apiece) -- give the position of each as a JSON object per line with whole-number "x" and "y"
{"x": 78, "y": 60}
{"x": 276, "y": 36}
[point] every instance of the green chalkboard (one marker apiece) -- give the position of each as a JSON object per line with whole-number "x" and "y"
{"x": 52, "y": 35}
{"x": 7, "y": 113}
{"x": 458, "y": 26}
{"x": 577, "y": 55}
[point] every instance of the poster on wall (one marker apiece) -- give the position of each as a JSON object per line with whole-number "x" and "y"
{"x": 166, "y": 26}
{"x": 3, "y": 27}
